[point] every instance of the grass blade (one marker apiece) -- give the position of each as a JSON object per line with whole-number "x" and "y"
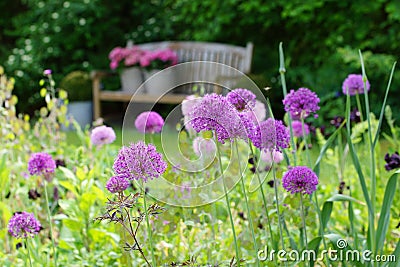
{"x": 383, "y": 223}
{"x": 384, "y": 105}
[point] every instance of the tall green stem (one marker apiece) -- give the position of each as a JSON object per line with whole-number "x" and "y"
{"x": 149, "y": 232}
{"x": 247, "y": 204}
{"x": 262, "y": 194}
{"x": 277, "y": 202}
{"x": 359, "y": 107}
{"x": 227, "y": 201}
{"x": 50, "y": 223}
{"x": 303, "y": 219}
{"x": 29, "y": 253}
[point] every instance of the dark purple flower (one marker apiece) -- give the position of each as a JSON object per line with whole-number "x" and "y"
{"x": 215, "y": 113}
{"x": 242, "y": 99}
{"x": 337, "y": 121}
{"x": 355, "y": 115}
{"x": 354, "y": 84}
{"x": 271, "y": 135}
{"x": 41, "y": 163}
{"x": 149, "y": 122}
{"x": 117, "y": 184}
{"x": 33, "y": 194}
{"x": 23, "y": 225}
{"x": 139, "y": 162}
{"x": 300, "y": 179}
{"x": 301, "y": 103}
{"x": 392, "y": 161}
{"x": 298, "y": 128}
{"x": 102, "y": 135}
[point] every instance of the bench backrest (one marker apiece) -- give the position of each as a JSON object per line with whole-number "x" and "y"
{"x": 234, "y": 56}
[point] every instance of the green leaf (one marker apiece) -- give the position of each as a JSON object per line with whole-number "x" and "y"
{"x": 384, "y": 105}
{"x": 68, "y": 173}
{"x": 341, "y": 244}
{"x": 326, "y": 213}
{"x": 384, "y": 219}
{"x": 69, "y": 186}
{"x": 340, "y": 197}
{"x": 72, "y": 224}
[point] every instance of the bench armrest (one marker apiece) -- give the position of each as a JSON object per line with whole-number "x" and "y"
{"x": 97, "y": 76}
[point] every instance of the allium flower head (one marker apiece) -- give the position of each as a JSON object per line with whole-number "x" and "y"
{"x": 41, "y": 163}
{"x": 188, "y": 103}
{"x": 276, "y": 156}
{"x": 102, "y": 135}
{"x": 23, "y": 225}
{"x": 242, "y": 99}
{"x": 215, "y": 113}
{"x": 300, "y": 179}
{"x": 354, "y": 84}
{"x": 117, "y": 184}
{"x": 298, "y": 129}
{"x": 47, "y": 72}
{"x": 139, "y": 162}
{"x": 301, "y": 103}
{"x": 271, "y": 135}
{"x": 204, "y": 145}
{"x": 149, "y": 122}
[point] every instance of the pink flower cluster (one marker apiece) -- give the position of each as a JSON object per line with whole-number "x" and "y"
{"x": 134, "y": 56}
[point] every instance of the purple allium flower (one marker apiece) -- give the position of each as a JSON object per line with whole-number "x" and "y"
{"x": 41, "y": 163}
{"x": 102, "y": 135}
{"x": 355, "y": 115}
{"x": 301, "y": 103}
{"x": 47, "y": 72}
{"x": 392, "y": 161}
{"x": 276, "y": 156}
{"x": 117, "y": 184}
{"x": 188, "y": 103}
{"x": 271, "y": 135}
{"x": 354, "y": 84}
{"x": 149, "y": 122}
{"x": 203, "y": 145}
{"x": 298, "y": 129}
{"x": 300, "y": 179}
{"x": 215, "y": 113}
{"x": 139, "y": 162}
{"x": 242, "y": 99}
{"x": 23, "y": 225}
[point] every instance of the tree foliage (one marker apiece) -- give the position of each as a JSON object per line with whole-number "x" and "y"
{"x": 321, "y": 38}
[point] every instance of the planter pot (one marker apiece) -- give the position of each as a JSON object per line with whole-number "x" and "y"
{"x": 81, "y": 111}
{"x": 131, "y": 79}
{"x": 159, "y": 82}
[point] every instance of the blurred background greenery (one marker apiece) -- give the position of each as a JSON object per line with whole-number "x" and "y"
{"x": 321, "y": 40}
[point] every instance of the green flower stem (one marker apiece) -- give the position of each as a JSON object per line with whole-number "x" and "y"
{"x": 227, "y": 201}
{"x": 50, "y": 223}
{"x": 303, "y": 219}
{"x": 247, "y": 204}
{"x": 322, "y": 227}
{"x": 282, "y": 72}
{"x": 149, "y": 232}
{"x": 263, "y": 195}
{"x": 277, "y": 201}
{"x": 306, "y": 143}
{"x": 359, "y": 106}
{"x": 29, "y": 253}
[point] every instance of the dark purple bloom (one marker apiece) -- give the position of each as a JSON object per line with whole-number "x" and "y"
{"x": 300, "y": 179}
{"x": 215, "y": 113}
{"x": 102, "y": 135}
{"x": 392, "y": 161}
{"x": 301, "y": 103}
{"x": 117, "y": 184}
{"x": 337, "y": 121}
{"x": 33, "y": 194}
{"x": 271, "y": 135}
{"x": 242, "y": 99}
{"x": 139, "y": 162}
{"x": 23, "y": 225}
{"x": 355, "y": 115}
{"x": 298, "y": 128}
{"x": 354, "y": 84}
{"x": 41, "y": 163}
{"x": 149, "y": 122}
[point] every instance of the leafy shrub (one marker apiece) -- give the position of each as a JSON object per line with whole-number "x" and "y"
{"x": 78, "y": 86}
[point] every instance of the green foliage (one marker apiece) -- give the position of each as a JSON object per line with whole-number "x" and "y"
{"x": 78, "y": 85}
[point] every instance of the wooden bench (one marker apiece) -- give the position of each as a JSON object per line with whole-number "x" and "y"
{"x": 234, "y": 56}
